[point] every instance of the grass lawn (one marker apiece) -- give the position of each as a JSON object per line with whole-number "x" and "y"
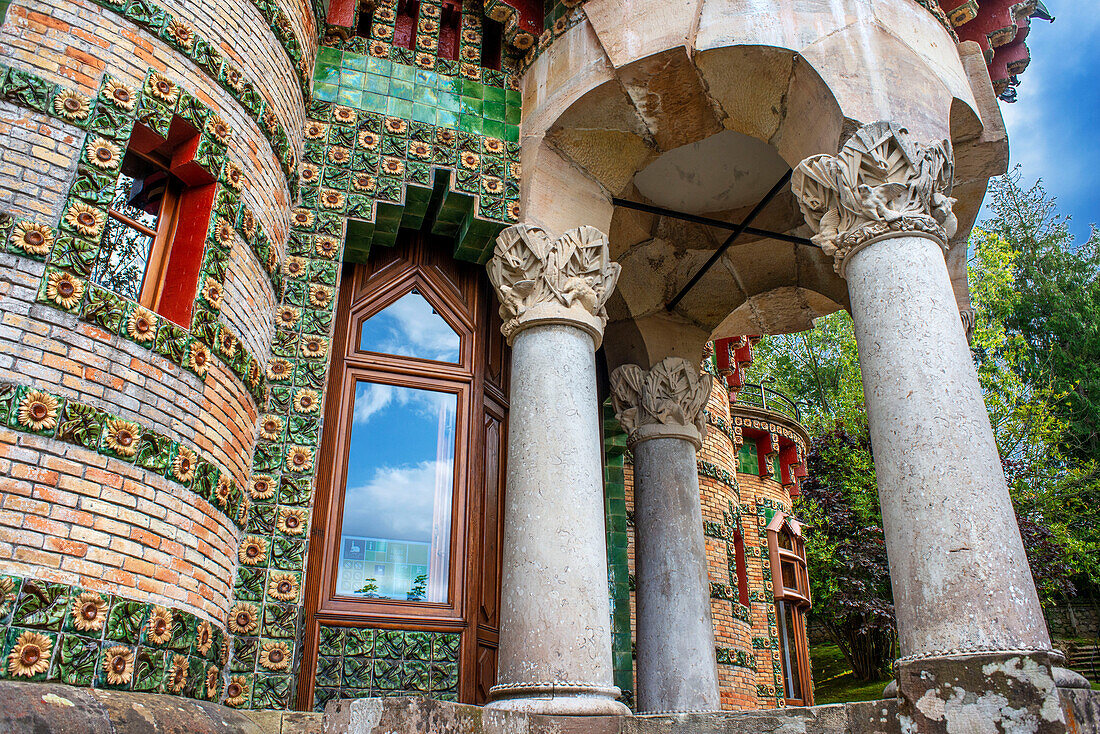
{"x": 834, "y": 681}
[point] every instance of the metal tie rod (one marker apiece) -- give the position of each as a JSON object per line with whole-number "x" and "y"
{"x": 738, "y": 230}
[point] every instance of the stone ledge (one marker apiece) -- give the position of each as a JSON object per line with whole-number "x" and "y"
{"x": 426, "y": 716}
{"x": 34, "y": 708}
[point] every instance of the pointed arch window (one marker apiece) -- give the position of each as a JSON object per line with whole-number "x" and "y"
{"x": 411, "y": 326}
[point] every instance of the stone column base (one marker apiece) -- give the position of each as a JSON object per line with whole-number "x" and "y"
{"x": 558, "y": 699}
{"x": 981, "y": 692}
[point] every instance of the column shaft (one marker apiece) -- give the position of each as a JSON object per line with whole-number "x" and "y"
{"x": 972, "y": 635}
{"x": 555, "y": 640}
{"x": 677, "y": 670}
{"x": 957, "y": 563}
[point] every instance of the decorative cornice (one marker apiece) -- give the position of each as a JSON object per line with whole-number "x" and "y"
{"x": 544, "y": 281}
{"x": 665, "y": 402}
{"x": 881, "y": 184}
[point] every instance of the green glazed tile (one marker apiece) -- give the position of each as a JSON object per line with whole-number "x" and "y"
{"x": 493, "y": 128}
{"x": 326, "y": 74}
{"x": 329, "y": 55}
{"x": 376, "y": 65}
{"x": 450, "y": 102}
{"x": 470, "y": 124}
{"x": 425, "y": 95}
{"x": 471, "y": 106}
{"x": 493, "y": 94}
{"x": 376, "y": 83}
{"x": 446, "y": 118}
{"x": 423, "y": 113}
{"x": 402, "y": 89}
{"x": 352, "y": 79}
{"x": 373, "y": 102}
{"x": 326, "y": 92}
{"x": 350, "y": 97}
{"x": 354, "y": 61}
{"x": 399, "y": 107}
{"x": 471, "y": 88}
{"x": 403, "y": 72}
{"x": 494, "y": 111}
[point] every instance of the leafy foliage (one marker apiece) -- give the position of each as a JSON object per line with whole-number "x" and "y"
{"x": 846, "y": 550}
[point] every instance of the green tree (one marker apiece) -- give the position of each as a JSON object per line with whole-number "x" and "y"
{"x": 846, "y": 550}
{"x": 1057, "y": 306}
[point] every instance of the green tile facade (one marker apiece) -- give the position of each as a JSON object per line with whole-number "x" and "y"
{"x": 390, "y": 88}
{"x": 366, "y": 662}
{"x": 618, "y": 568}
{"x": 66, "y": 634}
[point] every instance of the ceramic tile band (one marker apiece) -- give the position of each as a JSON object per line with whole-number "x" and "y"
{"x": 120, "y": 438}
{"x": 359, "y": 662}
{"x": 66, "y": 634}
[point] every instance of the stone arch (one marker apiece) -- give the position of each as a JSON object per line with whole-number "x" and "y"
{"x": 709, "y": 80}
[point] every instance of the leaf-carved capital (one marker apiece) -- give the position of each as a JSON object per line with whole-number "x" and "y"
{"x": 880, "y": 183}
{"x": 665, "y": 401}
{"x": 539, "y": 280}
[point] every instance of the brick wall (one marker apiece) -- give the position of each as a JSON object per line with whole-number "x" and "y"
{"x": 69, "y": 515}
{"x": 48, "y": 348}
{"x": 72, "y": 515}
{"x": 74, "y": 42}
{"x": 38, "y": 157}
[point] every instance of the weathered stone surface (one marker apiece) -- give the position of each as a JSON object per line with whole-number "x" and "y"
{"x": 1081, "y": 709}
{"x": 990, "y": 693}
{"x": 47, "y": 708}
{"x": 957, "y": 565}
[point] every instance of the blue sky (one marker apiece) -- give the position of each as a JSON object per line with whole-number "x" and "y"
{"x": 1054, "y": 128}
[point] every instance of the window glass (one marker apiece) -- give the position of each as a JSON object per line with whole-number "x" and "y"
{"x": 787, "y": 617}
{"x": 131, "y": 227}
{"x": 747, "y": 462}
{"x": 396, "y": 534}
{"x": 410, "y": 327}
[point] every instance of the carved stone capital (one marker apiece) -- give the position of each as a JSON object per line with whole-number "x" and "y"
{"x": 665, "y": 402}
{"x": 881, "y": 184}
{"x": 544, "y": 281}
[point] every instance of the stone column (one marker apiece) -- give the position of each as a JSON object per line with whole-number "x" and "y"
{"x": 975, "y": 654}
{"x": 555, "y": 636}
{"x": 662, "y": 411}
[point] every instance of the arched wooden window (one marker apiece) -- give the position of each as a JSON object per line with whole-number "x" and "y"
{"x": 407, "y": 519}
{"x": 791, "y": 588}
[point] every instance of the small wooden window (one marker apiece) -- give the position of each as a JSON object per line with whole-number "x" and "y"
{"x": 404, "y": 31}
{"x": 142, "y": 219}
{"x": 742, "y": 569}
{"x": 156, "y": 225}
{"x": 791, "y": 589}
{"x": 450, "y": 24}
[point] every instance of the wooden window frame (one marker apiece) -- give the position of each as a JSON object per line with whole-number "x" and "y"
{"x": 796, "y": 599}
{"x": 461, "y": 295}
{"x": 179, "y": 237}
{"x": 335, "y": 606}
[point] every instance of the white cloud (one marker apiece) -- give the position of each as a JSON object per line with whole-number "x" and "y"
{"x": 415, "y": 330}
{"x": 398, "y": 502}
{"x": 373, "y": 397}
